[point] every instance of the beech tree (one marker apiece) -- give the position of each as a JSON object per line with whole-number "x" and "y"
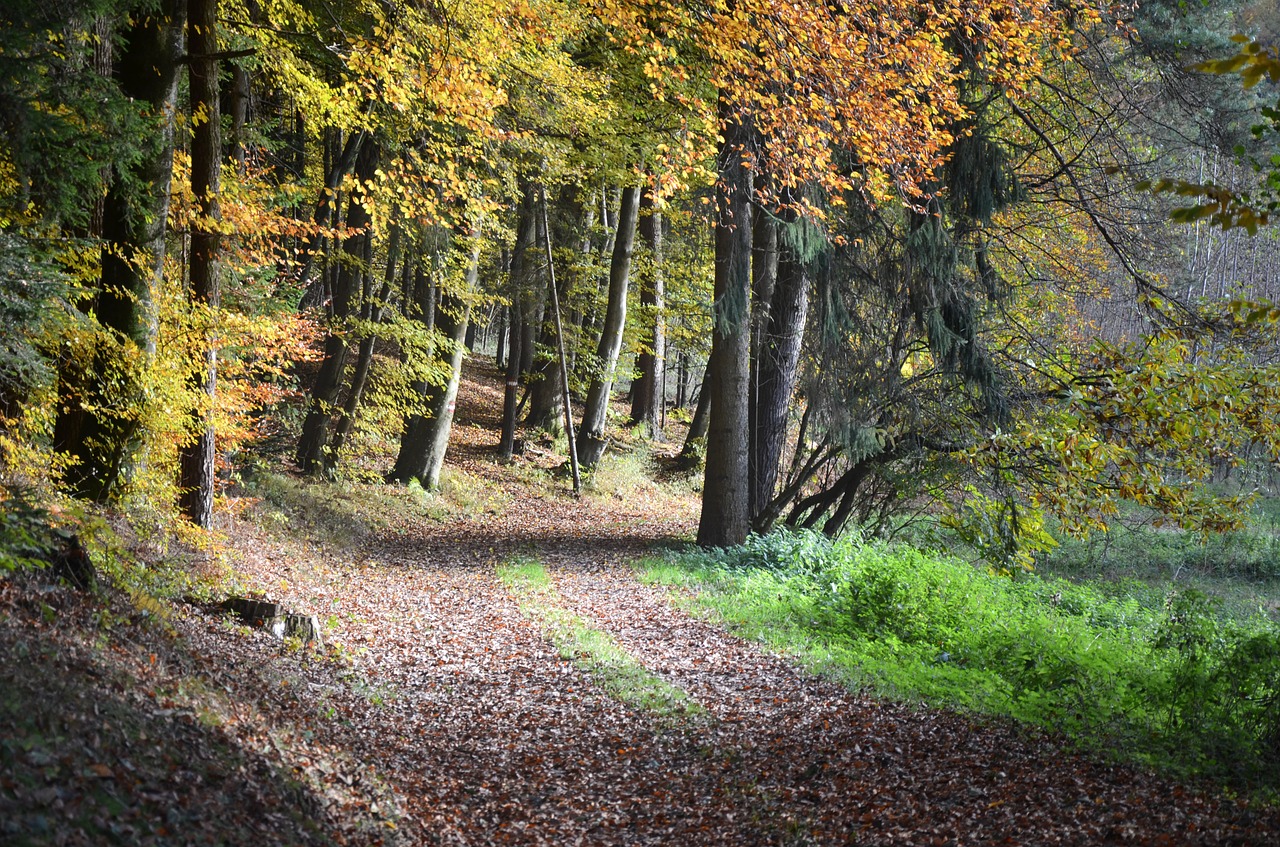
{"x": 590, "y": 436}
{"x": 789, "y": 78}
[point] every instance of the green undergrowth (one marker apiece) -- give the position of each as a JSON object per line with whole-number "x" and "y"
{"x": 1170, "y": 681}
{"x": 595, "y": 651}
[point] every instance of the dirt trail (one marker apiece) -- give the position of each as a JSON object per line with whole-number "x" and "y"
{"x": 492, "y": 737}
{"x": 446, "y": 716}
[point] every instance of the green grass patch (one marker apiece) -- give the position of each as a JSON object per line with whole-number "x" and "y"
{"x": 595, "y": 651}
{"x": 1174, "y": 683}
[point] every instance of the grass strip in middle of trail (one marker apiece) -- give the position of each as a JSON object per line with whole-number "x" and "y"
{"x": 594, "y": 651}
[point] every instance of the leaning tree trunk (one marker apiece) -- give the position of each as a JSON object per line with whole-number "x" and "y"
{"x": 196, "y": 461}
{"x": 328, "y": 381}
{"x": 647, "y": 393}
{"x": 426, "y": 436}
{"x": 775, "y": 364}
{"x": 101, "y": 396}
{"x": 725, "y": 518}
{"x": 590, "y": 440}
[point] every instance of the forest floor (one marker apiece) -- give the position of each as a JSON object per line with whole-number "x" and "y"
{"x": 454, "y": 703}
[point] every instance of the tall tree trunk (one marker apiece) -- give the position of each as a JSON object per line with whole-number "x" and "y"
{"x": 590, "y": 438}
{"x": 546, "y": 400}
{"x": 196, "y": 461}
{"x": 774, "y": 367}
{"x": 648, "y": 394}
{"x": 511, "y": 390}
{"x": 372, "y": 312}
{"x": 426, "y": 436}
{"x": 682, "y": 379}
{"x": 521, "y": 332}
{"x": 725, "y": 518}
{"x": 100, "y": 401}
{"x": 500, "y": 354}
{"x": 328, "y": 381}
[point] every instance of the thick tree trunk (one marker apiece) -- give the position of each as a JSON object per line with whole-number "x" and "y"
{"x": 774, "y": 367}
{"x": 426, "y": 436}
{"x": 590, "y": 440}
{"x": 328, "y": 382}
{"x": 725, "y": 518}
{"x": 196, "y": 461}
{"x": 100, "y": 401}
{"x": 648, "y": 394}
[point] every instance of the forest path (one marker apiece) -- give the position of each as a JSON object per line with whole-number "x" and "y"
{"x": 492, "y": 726}
{"x": 493, "y": 736}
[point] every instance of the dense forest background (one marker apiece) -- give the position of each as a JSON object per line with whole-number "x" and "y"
{"x": 917, "y": 256}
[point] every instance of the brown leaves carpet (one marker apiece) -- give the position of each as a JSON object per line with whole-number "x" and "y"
{"x": 445, "y": 716}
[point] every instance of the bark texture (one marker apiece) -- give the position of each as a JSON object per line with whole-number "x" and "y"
{"x": 774, "y": 367}
{"x": 590, "y": 440}
{"x": 725, "y": 518}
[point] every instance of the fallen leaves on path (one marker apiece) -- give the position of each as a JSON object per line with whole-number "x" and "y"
{"x": 445, "y": 716}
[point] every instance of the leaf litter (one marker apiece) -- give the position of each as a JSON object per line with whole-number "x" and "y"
{"x": 442, "y": 714}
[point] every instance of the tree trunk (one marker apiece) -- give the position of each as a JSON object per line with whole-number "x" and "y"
{"x": 328, "y": 382}
{"x": 774, "y": 365}
{"x": 695, "y": 441}
{"x": 426, "y": 437}
{"x": 590, "y": 440}
{"x": 521, "y": 332}
{"x": 725, "y": 518}
{"x": 313, "y": 294}
{"x": 500, "y": 354}
{"x": 100, "y": 401}
{"x": 372, "y": 313}
{"x": 511, "y": 391}
{"x": 648, "y": 395}
{"x": 196, "y": 460}
{"x": 238, "y": 107}
{"x": 546, "y": 400}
